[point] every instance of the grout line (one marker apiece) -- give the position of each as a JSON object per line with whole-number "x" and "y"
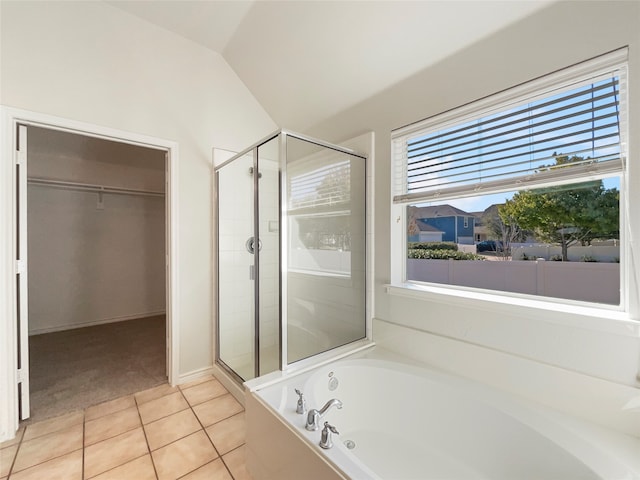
{"x": 196, "y": 469}
{"x": 84, "y": 432}
{"x": 207, "y": 435}
{"x": 42, "y": 462}
{"x": 144, "y": 432}
{"x": 15, "y": 455}
{"x": 114, "y": 434}
{"x": 117, "y": 466}
{"x": 108, "y": 401}
{"x": 159, "y": 398}
{"x": 22, "y": 441}
{"x": 192, "y": 433}
{"x": 225, "y": 463}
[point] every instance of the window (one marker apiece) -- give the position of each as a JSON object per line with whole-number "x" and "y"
{"x": 520, "y": 193}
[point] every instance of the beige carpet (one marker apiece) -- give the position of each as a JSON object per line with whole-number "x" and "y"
{"x": 75, "y": 369}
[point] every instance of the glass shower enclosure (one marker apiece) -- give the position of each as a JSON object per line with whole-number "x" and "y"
{"x": 291, "y": 253}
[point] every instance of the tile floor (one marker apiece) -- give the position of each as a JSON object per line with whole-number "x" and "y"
{"x": 191, "y": 432}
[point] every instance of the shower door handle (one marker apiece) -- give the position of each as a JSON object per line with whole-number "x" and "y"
{"x": 250, "y": 245}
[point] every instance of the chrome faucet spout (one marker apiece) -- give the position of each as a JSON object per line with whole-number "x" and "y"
{"x": 334, "y": 402}
{"x": 314, "y": 416}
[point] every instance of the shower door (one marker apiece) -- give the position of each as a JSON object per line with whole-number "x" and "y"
{"x": 248, "y": 262}
{"x": 236, "y": 295}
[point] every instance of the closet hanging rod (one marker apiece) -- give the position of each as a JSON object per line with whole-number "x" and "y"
{"x": 88, "y": 187}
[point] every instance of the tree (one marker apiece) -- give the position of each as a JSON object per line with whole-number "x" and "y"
{"x": 503, "y": 228}
{"x": 412, "y": 224}
{"x": 568, "y": 215}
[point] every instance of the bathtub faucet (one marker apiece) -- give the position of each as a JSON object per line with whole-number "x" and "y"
{"x": 314, "y": 416}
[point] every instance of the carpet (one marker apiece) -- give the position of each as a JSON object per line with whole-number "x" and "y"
{"x": 74, "y": 369}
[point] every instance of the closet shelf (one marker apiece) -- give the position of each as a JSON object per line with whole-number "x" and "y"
{"x": 87, "y": 187}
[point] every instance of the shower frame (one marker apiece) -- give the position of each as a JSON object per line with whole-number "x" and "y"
{"x": 283, "y": 263}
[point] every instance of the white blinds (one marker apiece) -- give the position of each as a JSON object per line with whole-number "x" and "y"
{"x": 564, "y": 133}
{"x": 325, "y": 186}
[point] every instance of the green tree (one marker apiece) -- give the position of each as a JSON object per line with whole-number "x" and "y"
{"x": 573, "y": 214}
{"x": 503, "y": 228}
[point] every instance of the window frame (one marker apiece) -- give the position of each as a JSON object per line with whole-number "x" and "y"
{"x": 502, "y": 300}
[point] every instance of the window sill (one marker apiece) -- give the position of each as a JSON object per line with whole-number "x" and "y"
{"x": 605, "y": 320}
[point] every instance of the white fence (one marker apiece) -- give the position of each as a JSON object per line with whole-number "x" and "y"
{"x": 606, "y": 253}
{"x": 586, "y": 281}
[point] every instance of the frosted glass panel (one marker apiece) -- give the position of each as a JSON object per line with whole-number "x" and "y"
{"x": 326, "y": 249}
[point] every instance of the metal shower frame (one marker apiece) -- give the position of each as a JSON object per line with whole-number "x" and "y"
{"x": 282, "y": 234}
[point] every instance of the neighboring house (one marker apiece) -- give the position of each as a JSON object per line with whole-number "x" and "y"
{"x": 455, "y": 225}
{"x": 481, "y": 229}
{"x": 426, "y": 233}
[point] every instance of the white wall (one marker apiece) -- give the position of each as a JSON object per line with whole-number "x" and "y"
{"x": 90, "y": 62}
{"x": 93, "y": 261}
{"x": 88, "y": 265}
{"x": 551, "y": 39}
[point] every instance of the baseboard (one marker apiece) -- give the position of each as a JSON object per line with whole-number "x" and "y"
{"x": 234, "y": 388}
{"x": 91, "y": 323}
{"x": 194, "y": 375}
{"x": 229, "y": 383}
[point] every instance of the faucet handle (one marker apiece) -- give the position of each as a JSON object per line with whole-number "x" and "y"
{"x": 325, "y": 436}
{"x": 301, "y": 407}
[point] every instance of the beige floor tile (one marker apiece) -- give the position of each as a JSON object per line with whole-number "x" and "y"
{"x": 235, "y": 461}
{"x": 7, "y": 455}
{"x": 171, "y": 428}
{"x": 217, "y": 409}
{"x": 111, "y": 406}
{"x": 153, "y": 393}
{"x": 138, "y": 469}
{"x": 161, "y": 407}
{"x": 66, "y": 467}
{"x": 53, "y": 425}
{"x": 49, "y": 446}
{"x": 215, "y": 470}
{"x": 203, "y": 392}
{"x": 183, "y": 456}
{"x": 111, "y": 425}
{"x": 228, "y": 434}
{"x": 115, "y": 451}
{"x": 198, "y": 381}
{"x": 14, "y": 440}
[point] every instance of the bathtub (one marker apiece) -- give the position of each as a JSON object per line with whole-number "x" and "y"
{"x": 404, "y": 421}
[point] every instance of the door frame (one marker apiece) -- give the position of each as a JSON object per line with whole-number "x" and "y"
{"x": 9, "y": 120}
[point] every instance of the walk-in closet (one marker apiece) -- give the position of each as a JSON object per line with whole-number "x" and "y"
{"x": 96, "y": 223}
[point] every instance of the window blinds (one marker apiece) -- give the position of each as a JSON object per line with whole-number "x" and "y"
{"x": 563, "y": 133}
{"x": 325, "y": 186}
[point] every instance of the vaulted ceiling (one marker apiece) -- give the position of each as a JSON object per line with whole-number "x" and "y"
{"x": 305, "y": 61}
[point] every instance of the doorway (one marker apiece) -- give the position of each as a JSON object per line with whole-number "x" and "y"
{"x": 15, "y": 372}
{"x": 95, "y": 224}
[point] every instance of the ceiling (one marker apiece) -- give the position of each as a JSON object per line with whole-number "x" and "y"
{"x": 305, "y": 61}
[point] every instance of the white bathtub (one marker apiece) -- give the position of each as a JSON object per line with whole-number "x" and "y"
{"x": 408, "y": 422}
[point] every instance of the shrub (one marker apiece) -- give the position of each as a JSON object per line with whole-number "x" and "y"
{"x": 588, "y": 258}
{"x": 433, "y": 246}
{"x": 441, "y": 254}
{"x": 556, "y": 258}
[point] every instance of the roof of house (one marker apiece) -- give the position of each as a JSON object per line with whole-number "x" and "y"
{"x": 440, "y": 211}
{"x": 491, "y": 210}
{"x": 425, "y": 227}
